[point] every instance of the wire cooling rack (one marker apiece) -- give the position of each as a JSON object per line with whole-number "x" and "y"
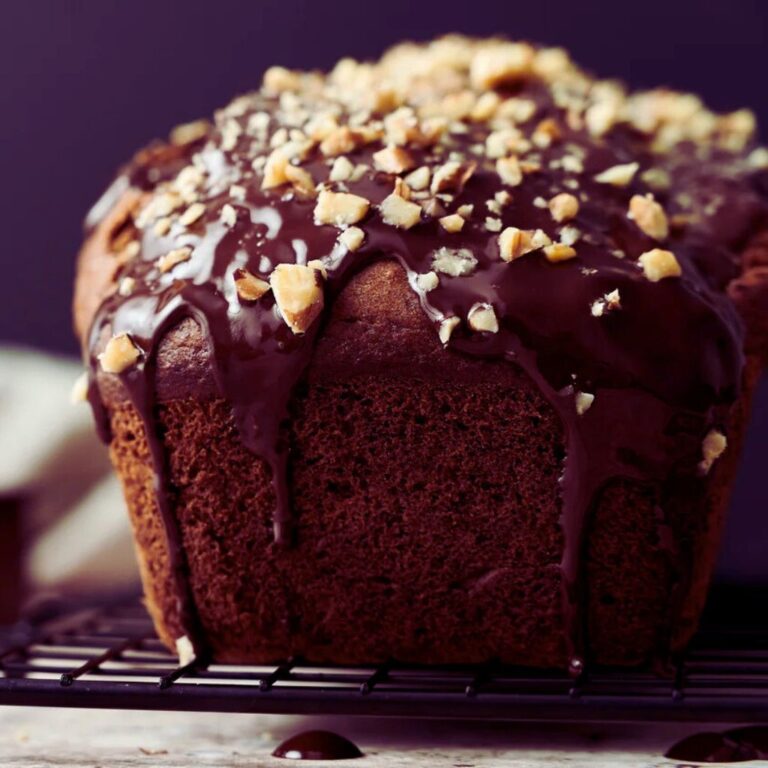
{"x": 109, "y": 657}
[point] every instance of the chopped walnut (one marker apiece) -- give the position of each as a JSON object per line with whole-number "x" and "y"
{"x": 119, "y": 354}
{"x": 570, "y": 235}
{"x": 618, "y": 175}
{"x": 485, "y": 107}
{"x": 393, "y": 159}
{"x": 559, "y": 252}
{"x": 658, "y": 264}
{"x": 712, "y": 447}
{"x": 298, "y": 294}
{"x": 340, "y": 208}
{"x": 509, "y": 171}
{"x": 190, "y": 132}
{"x": 500, "y": 64}
{"x": 249, "y": 287}
{"x": 455, "y": 262}
{"x": 352, "y": 238}
{"x": 606, "y": 303}
{"x": 274, "y": 170}
{"x": 192, "y": 214}
{"x": 649, "y": 216}
{"x": 583, "y": 402}
{"x": 514, "y": 242}
{"x": 447, "y": 327}
{"x": 482, "y": 317}
{"x": 419, "y": 179}
{"x": 341, "y": 141}
{"x": 399, "y": 212}
{"x": 300, "y": 179}
{"x": 427, "y": 281}
{"x": 177, "y": 256}
{"x": 452, "y": 223}
{"x": 185, "y": 651}
{"x": 545, "y": 133}
{"x": 126, "y": 286}
{"x": 451, "y": 176}
{"x": 342, "y": 169}
{"x": 279, "y": 79}
{"x": 602, "y": 116}
{"x": 493, "y": 224}
{"x": 401, "y": 189}
{"x": 465, "y": 211}
{"x": 563, "y": 207}
{"x": 162, "y": 227}
{"x": 228, "y": 215}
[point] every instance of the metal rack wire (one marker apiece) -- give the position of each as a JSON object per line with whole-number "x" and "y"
{"x": 110, "y": 657}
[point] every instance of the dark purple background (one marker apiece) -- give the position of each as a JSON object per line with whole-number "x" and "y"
{"x": 83, "y": 84}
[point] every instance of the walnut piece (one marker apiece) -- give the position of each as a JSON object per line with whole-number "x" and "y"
{"x": 393, "y": 159}
{"x": 649, "y": 216}
{"x": 447, "y": 327}
{"x": 514, "y": 242}
{"x": 712, "y": 447}
{"x": 427, "y": 281}
{"x": 352, "y": 238}
{"x": 563, "y": 207}
{"x": 177, "y": 256}
{"x": 455, "y": 262}
{"x": 482, "y": 317}
{"x": 340, "y": 208}
{"x": 451, "y": 176}
{"x": 658, "y": 264}
{"x": 249, "y": 287}
{"x": 185, "y": 651}
{"x": 228, "y": 215}
{"x": 119, "y": 354}
{"x": 419, "y": 179}
{"x": 618, "y": 175}
{"x": 189, "y": 132}
{"x": 509, "y": 171}
{"x": 398, "y": 212}
{"x": 300, "y": 179}
{"x": 583, "y": 402}
{"x": 501, "y": 64}
{"x": 342, "y": 169}
{"x": 452, "y": 223}
{"x": 559, "y": 252}
{"x": 192, "y": 214}
{"x": 298, "y": 294}
{"x": 606, "y": 303}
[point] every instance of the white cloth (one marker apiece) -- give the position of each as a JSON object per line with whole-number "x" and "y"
{"x": 74, "y": 516}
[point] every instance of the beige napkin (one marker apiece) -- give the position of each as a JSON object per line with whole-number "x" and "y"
{"x": 74, "y": 517}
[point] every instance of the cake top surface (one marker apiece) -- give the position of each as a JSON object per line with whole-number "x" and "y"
{"x": 542, "y": 217}
{"x": 559, "y": 203}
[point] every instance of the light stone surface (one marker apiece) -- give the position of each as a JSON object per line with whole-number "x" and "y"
{"x": 36, "y": 737}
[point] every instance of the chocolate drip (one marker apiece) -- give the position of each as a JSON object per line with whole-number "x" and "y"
{"x": 664, "y": 367}
{"x": 317, "y": 745}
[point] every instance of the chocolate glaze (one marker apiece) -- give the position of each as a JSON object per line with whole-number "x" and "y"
{"x": 664, "y": 368}
{"x": 317, "y": 745}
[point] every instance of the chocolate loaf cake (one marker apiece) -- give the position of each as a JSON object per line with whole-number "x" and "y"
{"x": 442, "y": 358}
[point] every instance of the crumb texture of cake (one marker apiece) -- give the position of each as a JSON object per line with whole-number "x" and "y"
{"x": 444, "y": 357}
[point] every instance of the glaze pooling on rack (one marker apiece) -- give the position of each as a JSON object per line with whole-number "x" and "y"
{"x": 664, "y": 367}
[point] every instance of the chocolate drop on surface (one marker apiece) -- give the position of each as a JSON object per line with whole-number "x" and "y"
{"x": 717, "y": 748}
{"x": 317, "y": 745}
